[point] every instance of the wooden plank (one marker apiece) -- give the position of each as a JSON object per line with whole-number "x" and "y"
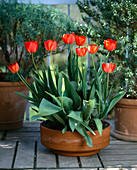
{"x": 121, "y": 147}
{"x": 6, "y": 154}
{"x": 90, "y": 161}
{"x": 120, "y": 152}
{"x": 120, "y": 142}
{"x": 29, "y": 129}
{"x": 73, "y": 169}
{"x": 45, "y": 158}
{"x": 31, "y": 124}
{"x": 122, "y": 164}
{"x": 115, "y": 169}
{"x": 118, "y": 157}
{"x": 49, "y": 2}
{"x": 21, "y": 136}
{"x": 66, "y": 161}
{"x": 25, "y": 155}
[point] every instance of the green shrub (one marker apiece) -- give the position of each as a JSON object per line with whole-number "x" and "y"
{"x": 28, "y": 22}
{"x": 109, "y": 20}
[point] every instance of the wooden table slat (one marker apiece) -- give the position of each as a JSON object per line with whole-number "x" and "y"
{"x": 90, "y": 161}
{"x": 66, "y": 161}
{"x": 25, "y": 155}
{"x": 119, "y": 157}
{"x": 6, "y": 153}
{"x": 45, "y": 158}
{"x": 122, "y": 164}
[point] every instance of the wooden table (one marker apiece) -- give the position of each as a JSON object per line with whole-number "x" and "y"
{"x": 21, "y": 149}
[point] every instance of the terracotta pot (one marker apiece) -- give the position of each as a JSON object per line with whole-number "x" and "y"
{"x": 126, "y": 120}
{"x": 12, "y": 106}
{"x": 72, "y": 143}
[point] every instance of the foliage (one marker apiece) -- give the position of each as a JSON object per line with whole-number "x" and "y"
{"x": 107, "y": 18}
{"x": 25, "y": 22}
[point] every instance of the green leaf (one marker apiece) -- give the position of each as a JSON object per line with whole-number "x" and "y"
{"x": 85, "y": 83}
{"x": 44, "y": 75}
{"x": 83, "y": 132}
{"x": 67, "y": 102}
{"x": 99, "y": 96}
{"x": 72, "y": 123}
{"x": 59, "y": 119}
{"x": 26, "y": 97}
{"x": 60, "y": 85}
{"x": 74, "y": 84}
{"x": 71, "y": 93}
{"x": 47, "y": 108}
{"x": 84, "y": 124}
{"x": 65, "y": 129}
{"x": 99, "y": 125}
{"x": 75, "y": 115}
{"x": 88, "y": 107}
{"x": 92, "y": 91}
{"x": 51, "y": 83}
{"x": 70, "y": 73}
{"x": 57, "y": 76}
{"x": 35, "y": 117}
{"x": 55, "y": 98}
{"x": 112, "y": 103}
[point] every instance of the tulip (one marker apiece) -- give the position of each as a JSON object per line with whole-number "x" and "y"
{"x": 80, "y": 40}
{"x": 92, "y": 48}
{"x": 31, "y": 46}
{"x": 108, "y": 67}
{"x": 50, "y": 45}
{"x": 110, "y": 45}
{"x": 14, "y": 67}
{"x": 68, "y": 38}
{"x": 81, "y": 51}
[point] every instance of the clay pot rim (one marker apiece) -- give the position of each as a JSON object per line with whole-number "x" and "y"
{"x": 17, "y": 83}
{"x": 127, "y": 101}
{"x": 67, "y": 132}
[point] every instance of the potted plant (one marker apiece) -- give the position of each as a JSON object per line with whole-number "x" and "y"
{"x": 118, "y": 19}
{"x": 71, "y": 107}
{"x": 17, "y": 24}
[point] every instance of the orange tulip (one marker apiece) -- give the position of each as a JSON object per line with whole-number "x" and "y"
{"x": 92, "y": 48}
{"x": 81, "y": 51}
{"x": 14, "y": 67}
{"x": 80, "y": 40}
{"x": 108, "y": 67}
{"x": 68, "y": 38}
{"x": 31, "y": 46}
{"x": 110, "y": 45}
{"x": 50, "y": 45}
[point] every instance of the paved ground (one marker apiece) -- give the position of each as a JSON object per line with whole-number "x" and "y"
{"x": 21, "y": 149}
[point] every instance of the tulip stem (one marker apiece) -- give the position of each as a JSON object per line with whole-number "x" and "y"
{"x": 36, "y": 66}
{"x": 93, "y": 63}
{"x": 51, "y": 60}
{"x": 107, "y": 86}
{"x": 107, "y": 55}
{"x": 82, "y": 67}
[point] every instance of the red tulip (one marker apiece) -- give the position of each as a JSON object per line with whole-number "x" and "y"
{"x": 110, "y": 45}
{"x": 81, "y": 51}
{"x": 14, "y": 67}
{"x": 50, "y": 45}
{"x": 92, "y": 48}
{"x": 108, "y": 67}
{"x": 68, "y": 38}
{"x": 31, "y": 46}
{"x": 80, "y": 40}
